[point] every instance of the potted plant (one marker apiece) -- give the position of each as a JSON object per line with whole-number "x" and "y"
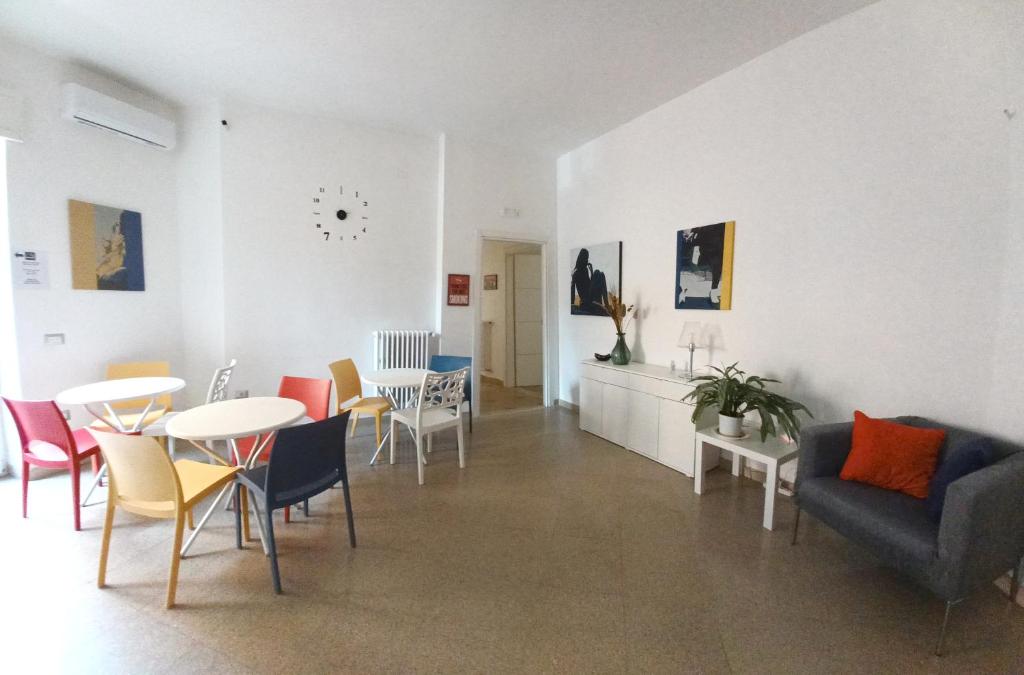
{"x": 734, "y": 393}
{"x": 622, "y": 316}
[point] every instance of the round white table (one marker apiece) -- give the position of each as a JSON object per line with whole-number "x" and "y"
{"x": 259, "y": 417}
{"x": 113, "y": 391}
{"x": 391, "y": 382}
{"x": 92, "y": 396}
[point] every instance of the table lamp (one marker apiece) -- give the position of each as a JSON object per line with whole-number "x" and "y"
{"x": 691, "y": 337}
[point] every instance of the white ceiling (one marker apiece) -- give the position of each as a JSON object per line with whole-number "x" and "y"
{"x": 546, "y": 74}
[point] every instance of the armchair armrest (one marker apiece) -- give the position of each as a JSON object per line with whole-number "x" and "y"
{"x": 981, "y": 535}
{"x": 823, "y": 450}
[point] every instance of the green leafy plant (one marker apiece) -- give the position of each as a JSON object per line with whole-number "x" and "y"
{"x": 734, "y": 392}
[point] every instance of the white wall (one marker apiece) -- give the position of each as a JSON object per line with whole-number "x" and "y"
{"x": 867, "y": 166}
{"x": 59, "y": 160}
{"x": 200, "y": 229}
{"x": 480, "y": 180}
{"x": 292, "y": 301}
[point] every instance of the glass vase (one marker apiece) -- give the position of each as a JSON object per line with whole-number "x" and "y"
{"x": 620, "y": 353}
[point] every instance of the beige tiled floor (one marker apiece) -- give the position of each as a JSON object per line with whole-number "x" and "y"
{"x": 553, "y": 551}
{"x": 496, "y": 397}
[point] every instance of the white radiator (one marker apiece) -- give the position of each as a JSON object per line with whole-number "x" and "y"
{"x": 402, "y": 349}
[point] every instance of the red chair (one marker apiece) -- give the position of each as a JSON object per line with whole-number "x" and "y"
{"x": 313, "y": 393}
{"x": 47, "y": 441}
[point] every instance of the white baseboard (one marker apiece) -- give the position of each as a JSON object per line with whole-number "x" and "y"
{"x": 567, "y": 405}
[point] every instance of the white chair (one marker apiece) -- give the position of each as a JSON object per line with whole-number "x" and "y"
{"x": 439, "y": 407}
{"x": 218, "y": 392}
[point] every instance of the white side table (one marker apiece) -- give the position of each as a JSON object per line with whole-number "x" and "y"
{"x": 390, "y": 381}
{"x": 771, "y": 452}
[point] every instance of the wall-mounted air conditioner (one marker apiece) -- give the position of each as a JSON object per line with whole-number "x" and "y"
{"x": 103, "y": 112}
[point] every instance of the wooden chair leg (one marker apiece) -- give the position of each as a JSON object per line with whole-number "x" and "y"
{"x": 355, "y": 423}
{"x": 108, "y": 526}
{"x": 191, "y": 520}
{"x": 377, "y": 420}
{"x": 172, "y": 582}
{"x": 287, "y": 514}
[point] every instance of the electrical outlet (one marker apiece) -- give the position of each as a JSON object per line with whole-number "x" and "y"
{"x": 241, "y": 393}
{"x": 53, "y": 338}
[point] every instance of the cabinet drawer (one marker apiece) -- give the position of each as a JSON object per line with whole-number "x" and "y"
{"x": 606, "y": 375}
{"x": 674, "y": 391}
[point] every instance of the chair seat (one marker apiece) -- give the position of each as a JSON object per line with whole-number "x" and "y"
{"x": 896, "y": 525}
{"x": 48, "y": 455}
{"x": 129, "y": 419}
{"x": 199, "y": 479}
{"x": 434, "y": 418}
{"x": 371, "y": 405}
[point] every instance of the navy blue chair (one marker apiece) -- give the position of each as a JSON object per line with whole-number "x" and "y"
{"x": 440, "y": 363}
{"x": 306, "y": 460}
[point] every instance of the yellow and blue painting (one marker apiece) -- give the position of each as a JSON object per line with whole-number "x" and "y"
{"x": 106, "y": 248}
{"x": 704, "y": 266}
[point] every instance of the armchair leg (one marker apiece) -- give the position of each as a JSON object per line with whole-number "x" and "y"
{"x": 796, "y": 527}
{"x": 945, "y": 624}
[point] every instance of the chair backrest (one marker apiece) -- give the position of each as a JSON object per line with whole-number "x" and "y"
{"x": 314, "y": 393}
{"x": 120, "y": 371}
{"x": 306, "y": 460}
{"x": 442, "y": 390}
{"x": 347, "y": 384}
{"x": 219, "y": 384}
{"x": 43, "y": 422}
{"x": 445, "y": 363}
{"x": 142, "y": 473}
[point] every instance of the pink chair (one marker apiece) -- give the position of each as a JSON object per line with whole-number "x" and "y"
{"x": 47, "y": 441}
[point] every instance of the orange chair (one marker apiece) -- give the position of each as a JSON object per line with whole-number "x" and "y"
{"x": 350, "y": 395}
{"x": 313, "y": 393}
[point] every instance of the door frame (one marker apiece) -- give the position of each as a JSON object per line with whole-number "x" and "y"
{"x": 546, "y": 328}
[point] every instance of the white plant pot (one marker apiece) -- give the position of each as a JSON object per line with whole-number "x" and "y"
{"x": 730, "y": 426}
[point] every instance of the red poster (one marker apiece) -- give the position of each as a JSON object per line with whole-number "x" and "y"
{"x": 458, "y": 289}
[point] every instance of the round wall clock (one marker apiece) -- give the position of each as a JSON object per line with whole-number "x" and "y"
{"x": 340, "y": 215}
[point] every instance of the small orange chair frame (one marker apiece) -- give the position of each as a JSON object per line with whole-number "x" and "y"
{"x": 349, "y": 390}
{"x": 144, "y": 481}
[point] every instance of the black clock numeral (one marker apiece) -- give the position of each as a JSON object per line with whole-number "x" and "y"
{"x": 365, "y": 204}
{"x": 365, "y": 218}
{"x": 364, "y": 230}
{"x": 357, "y": 194}
{"x": 322, "y": 190}
{"x": 341, "y": 189}
{"x": 318, "y": 226}
{"x": 354, "y": 236}
{"x": 316, "y": 200}
{"x": 316, "y": 213}
{"x": 327, "y": 236}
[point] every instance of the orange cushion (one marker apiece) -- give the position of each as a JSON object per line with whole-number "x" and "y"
{"x": 892, "y": 456}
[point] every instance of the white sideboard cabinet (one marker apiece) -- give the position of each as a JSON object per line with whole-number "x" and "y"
{"x": 640, "y": 407}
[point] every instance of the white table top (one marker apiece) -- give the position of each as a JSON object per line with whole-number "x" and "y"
{"x": 235, "y": 418}
{"x": 771, "y": 449}
{"x": 395, "y": 377}
{"x": 111, "y": 391}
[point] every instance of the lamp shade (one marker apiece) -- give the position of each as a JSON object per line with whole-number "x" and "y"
{"x": 692, "y": 333}
{"x": 713, "y": 337}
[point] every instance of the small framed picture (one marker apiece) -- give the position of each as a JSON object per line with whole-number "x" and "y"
{"x": 458, "y": 290}
{"x": 490, "y": 282}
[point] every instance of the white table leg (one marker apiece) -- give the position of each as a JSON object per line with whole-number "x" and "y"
{"x": 771, "y": 480}
{"x": 95, "y": 482}
{"x": 698, "y": 469}
{"x": 737, "y": 464}
{"x": 206, "y": 516}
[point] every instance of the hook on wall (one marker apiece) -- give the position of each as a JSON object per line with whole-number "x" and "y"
{"x": 1010, "y": 114}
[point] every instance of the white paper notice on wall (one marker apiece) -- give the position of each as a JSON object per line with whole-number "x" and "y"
{"x": 31, "y": 270}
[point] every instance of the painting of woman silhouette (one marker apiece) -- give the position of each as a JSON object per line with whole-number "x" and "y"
{"x": 106, "y": 248}
{"x": 596, "y": 272}
{"x": 704, "y": 267}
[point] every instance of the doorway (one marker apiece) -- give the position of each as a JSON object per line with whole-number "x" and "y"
{"x": 512, "y": 326}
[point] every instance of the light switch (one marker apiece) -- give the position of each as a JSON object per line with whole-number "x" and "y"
{"x": 53, "y": 338}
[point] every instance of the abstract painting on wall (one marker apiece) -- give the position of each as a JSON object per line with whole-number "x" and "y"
{"x": 106, "y": 248}
{"x": 596, "y": 272}
{"x": 704, "y": 267}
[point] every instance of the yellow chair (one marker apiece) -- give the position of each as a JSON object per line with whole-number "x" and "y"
{"x": 143, "y": 480}
{"x": 120, "y": 371}
{"x": 349, "y": 389}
